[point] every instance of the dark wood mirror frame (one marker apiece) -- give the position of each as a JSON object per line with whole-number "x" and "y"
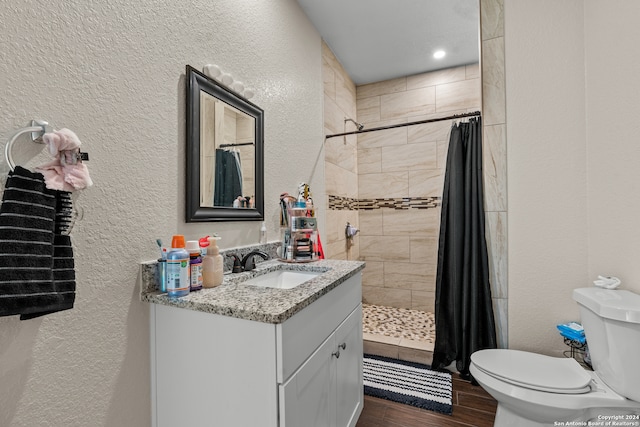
{"x": 197, "y": 83}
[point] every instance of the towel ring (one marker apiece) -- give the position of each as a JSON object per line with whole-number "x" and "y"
{"x": 38, "y": 128}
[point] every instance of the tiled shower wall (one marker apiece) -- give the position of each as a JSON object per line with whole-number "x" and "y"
{"x": 340, "y": 162}
{"x": 495, "y": 157}
{"x": 394, "y": 270}
{"x": 399, "y": 240}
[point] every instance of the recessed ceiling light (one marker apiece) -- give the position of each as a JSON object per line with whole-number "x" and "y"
{"x": 439, "y": 54}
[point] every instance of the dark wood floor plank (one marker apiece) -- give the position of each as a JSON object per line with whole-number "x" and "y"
{"x": 474, "y": 401}
{"x": 473, "y": 406}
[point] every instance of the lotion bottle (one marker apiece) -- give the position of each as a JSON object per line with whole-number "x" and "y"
{"x": 212, "y": 265}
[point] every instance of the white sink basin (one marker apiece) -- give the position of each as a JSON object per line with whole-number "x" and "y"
{"x": 282, "y": 279}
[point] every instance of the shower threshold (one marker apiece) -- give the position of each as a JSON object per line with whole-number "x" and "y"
{"x": 398, "y": 333}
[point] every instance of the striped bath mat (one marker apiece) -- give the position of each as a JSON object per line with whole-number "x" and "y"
{"x": 406, "y": 382}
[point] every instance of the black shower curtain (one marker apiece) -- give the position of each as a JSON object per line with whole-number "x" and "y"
{"x": 463, "y": 310}
{"x": 227, "y": 183}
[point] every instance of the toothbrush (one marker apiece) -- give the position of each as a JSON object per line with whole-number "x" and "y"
{"x": 163, "y": 254}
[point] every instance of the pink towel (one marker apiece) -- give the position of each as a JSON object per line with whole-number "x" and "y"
{"x": 64, "y": 172}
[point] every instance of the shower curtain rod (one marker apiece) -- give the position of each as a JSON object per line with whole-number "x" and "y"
{"x": 235, "y": 145}
{"x": 439, "y": 119}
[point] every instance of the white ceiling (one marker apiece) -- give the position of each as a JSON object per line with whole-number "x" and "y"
{"x": 377, "y": 40}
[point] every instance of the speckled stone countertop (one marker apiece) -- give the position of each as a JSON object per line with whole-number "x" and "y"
{"x": 268, "y": 305}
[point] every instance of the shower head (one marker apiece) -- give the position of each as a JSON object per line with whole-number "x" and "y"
{"x": 360, "y": 126}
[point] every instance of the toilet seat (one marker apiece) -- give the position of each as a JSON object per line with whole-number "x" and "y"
{"x": 534, "y": 371}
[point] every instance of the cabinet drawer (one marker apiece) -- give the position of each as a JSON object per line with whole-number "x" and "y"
{"x": 298, "y": 337}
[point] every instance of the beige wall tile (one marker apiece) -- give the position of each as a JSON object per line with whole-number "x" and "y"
{"x": 370, "y": 222}
{"x": 333, "y": 116}
{"x": 346, "y": 95}
{"x": 353, "y": 249}
{"x": 399, "y": 275}
{"x": 493, "y": 108}
{"x": 496, "y": 235}
{"x": 494, "y": 164}
{"x": 369, "y": 160}
{"x": 493, "y": 81}
{"x": 409, "y": 222}
{"x": 328, "y": 56}
{"x": 329, "y": 79}
{"x": 472, "y": 71}
{"x": 400, "y": 298}
{"x": 443, "y": 148}
{"x": 500, "y": 313}
{"x": 376, "y": 185}
{"x": 373, "y": 274}
{"x": 424, "y": 249}
{"x": 340, "y": 182}
{"x": 457, "y": 95}
{"x": 384, "y": 248}
{"x": 411, "y": 102}
{"x": 336, "y": 221}
{"x": 382, "y": 138}
{"x": 424, "y": 301}
{"x": 368, "y": 109}
{"x": 426, "y": 183}
{"x": 341, "y": 154}
{"x": 384, "y": 87}
{"x": 335, "y": 250}
{"x": 433, "y": 78}
{"x": 409, "y": 157}
{"x": 429, "y": 131}
{"x": 492, "y": 18}
{"x": 406, "y": 275}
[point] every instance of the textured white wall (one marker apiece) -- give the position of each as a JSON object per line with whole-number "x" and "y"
{"x": 546, "y": 155}
{"x": 613, "y": 143}
{"x": 114, "y": 73}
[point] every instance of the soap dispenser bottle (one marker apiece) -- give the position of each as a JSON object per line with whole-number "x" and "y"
{"x": 212, "y": 265}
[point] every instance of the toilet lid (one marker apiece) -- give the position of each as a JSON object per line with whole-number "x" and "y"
{"x": 534, "y": 371}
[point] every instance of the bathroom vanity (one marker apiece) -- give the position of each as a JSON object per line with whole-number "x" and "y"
{"x": 247, "y": 354}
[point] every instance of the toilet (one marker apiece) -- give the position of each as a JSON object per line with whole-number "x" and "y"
{"x": 538, "y": 390}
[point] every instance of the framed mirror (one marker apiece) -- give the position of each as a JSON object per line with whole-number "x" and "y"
{"x": 225, "y": 153}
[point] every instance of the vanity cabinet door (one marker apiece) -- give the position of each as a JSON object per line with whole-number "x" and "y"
{"x": 349, "y": 389}
{"x": 308, "y": 397}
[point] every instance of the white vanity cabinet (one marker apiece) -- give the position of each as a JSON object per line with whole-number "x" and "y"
{"x": 327, "y": 389}
{"x": 224, "y": 371}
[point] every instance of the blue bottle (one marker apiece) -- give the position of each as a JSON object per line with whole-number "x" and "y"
{"x": 178, "y": 270}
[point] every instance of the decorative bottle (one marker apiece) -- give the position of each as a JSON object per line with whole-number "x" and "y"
{"x": 212, "y": 265}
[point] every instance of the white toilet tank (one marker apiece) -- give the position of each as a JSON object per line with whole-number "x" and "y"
{"x": 611, "y": 321}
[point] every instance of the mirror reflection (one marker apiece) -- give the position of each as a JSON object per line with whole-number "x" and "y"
{"x": 224, "y": 153}
{"x": 227, "y": 155}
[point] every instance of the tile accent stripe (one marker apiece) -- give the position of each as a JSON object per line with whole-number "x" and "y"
{"x": 399, "y": 203}
{"x": 342, "y": 203}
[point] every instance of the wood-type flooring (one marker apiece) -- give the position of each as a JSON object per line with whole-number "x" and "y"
{"x": 472, "y": 406}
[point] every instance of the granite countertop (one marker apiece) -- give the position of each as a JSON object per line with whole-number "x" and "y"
{"x": 267, "y": 305}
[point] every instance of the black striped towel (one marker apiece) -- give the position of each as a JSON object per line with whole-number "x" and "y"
{"x": 37, "y": 275}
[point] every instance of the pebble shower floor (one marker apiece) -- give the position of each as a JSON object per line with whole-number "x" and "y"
{"x": 398, "y": 323}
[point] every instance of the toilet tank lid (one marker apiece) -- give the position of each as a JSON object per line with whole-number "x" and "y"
{"x": 609, "y": 303}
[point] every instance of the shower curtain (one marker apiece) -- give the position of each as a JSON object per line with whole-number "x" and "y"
{"x": 463, "y": 310}
{"x": 228, "y": 178}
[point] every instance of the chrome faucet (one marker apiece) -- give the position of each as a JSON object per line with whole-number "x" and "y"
{"x": 248, "y": 263}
